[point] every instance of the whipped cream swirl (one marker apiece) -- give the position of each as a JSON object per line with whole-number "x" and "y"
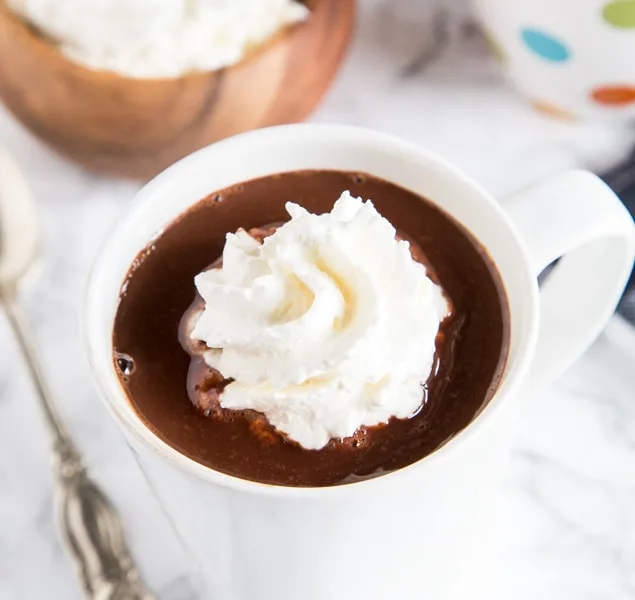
{"x": 159, "y": 38}
{"x": 327, "y": 326}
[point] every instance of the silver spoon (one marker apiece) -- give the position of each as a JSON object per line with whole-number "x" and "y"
{"x": 89, "y": 523}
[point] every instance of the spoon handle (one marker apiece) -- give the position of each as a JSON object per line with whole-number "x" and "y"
{"x": 88, "y": 521}
{"x": 20, "y": 329}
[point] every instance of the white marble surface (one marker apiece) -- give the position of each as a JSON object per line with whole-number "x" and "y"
{"x": 567, "y": 509}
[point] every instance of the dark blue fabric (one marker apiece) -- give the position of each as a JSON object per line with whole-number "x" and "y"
{"x": 622, "y": 180}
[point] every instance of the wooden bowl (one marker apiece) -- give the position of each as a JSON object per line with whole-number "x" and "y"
{"x": 137, "y": 127}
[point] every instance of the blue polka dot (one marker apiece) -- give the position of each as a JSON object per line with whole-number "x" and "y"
{"x": 545, "y": 45}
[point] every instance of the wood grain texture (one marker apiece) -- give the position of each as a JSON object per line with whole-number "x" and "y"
{"x": 136, "y": 127}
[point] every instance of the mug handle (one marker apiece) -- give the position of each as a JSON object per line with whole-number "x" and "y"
{"x": 574, "y": 217}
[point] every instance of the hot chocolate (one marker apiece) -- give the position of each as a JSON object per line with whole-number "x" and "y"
{"x": 179, "y": 394}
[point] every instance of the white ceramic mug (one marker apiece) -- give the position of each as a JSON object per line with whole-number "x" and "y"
{"x": 571, "y": 58}
{"x": 407, "y": 534}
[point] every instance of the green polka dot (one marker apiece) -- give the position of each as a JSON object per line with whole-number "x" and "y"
{"x": 620, "y": 14}
{"x": 494, "y": 46}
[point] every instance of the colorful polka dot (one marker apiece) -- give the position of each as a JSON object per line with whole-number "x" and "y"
{"x": 545, "y": 45}
{"x": 614, "y": 95}
{"x": 620, "y": 14}
{"x": 551, "y": 110}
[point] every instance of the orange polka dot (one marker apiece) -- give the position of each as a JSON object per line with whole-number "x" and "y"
{"x": 614, "y": 95}
{"x": 553, "y": 111}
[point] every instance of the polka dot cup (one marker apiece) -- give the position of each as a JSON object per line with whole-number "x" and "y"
{"x": 571, "y": 58}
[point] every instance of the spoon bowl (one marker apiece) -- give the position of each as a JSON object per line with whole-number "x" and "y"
{"x": 19, "y": 231}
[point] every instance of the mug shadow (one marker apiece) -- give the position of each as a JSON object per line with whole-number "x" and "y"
{"x": 429, "y": 38}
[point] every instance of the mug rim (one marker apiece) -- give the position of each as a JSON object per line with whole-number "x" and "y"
{"x": 132, "y": 423}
